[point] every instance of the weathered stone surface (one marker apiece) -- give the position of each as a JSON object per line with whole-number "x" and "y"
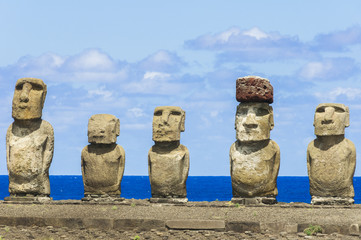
{"x": 102, "y": 161}
{"x": 254, "y": 121}
{"x": 29, "y": 141}
{"x": 354, "y": 230}
{"x": 168, "y": 160}
{"x": 168, "y": 123}
{"x": 240, "y": 226}
{"x": 331, "y": 158}
{"x": 254, "y": 200}
{"x": 196, "y": 224}
{"x": 169, "y": 200}
{"x": 277, "y": 227}
{"x": 139, "y": 224}
{"x": 254, "y": 89}
{"x": 254, "y": 158}
{"x": 316, "y": 200}
{"x": 103, "y": 129}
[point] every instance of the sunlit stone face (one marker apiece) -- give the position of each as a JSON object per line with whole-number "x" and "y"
{"x": 168, "y": 122}
{"x": 331, "y": 119}
{"x": 103, "y": 129}
{"x": 29, "y": 97}
{"x": 254, "y": 121}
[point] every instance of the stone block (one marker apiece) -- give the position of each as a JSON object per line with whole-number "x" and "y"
{"x": 64, "y": 222}
{"x": 277, "y": 227}
{"x": 237, "y": 226}
{"x": 22, "y": 221}
{"x": 102, "y": 223}
{"x": 196, "y": 224}
{"x": 254, "y": 89}
{"x": 169, "y": 200}
{"x": 138, "y": 224}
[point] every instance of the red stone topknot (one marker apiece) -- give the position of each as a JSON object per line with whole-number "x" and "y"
{"x": 254, "y": 89}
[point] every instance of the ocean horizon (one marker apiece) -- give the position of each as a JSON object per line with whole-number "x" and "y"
{"x": 199, "y": 188}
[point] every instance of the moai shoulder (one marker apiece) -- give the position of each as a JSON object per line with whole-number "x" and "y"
{"x": 102, "y": 161}
{"x": 254, "y": 157}
{"x": 29, "y": 143}
{"x": 331, "y": 158}
{"x": 168, "y": 160}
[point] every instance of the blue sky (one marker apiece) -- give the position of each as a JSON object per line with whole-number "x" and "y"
{"x": 127, "y": 57}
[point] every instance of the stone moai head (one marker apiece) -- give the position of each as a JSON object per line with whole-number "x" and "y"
{"x": 254, "y": 121}
{"x": 168, "y": 123}
{"x": 331, "y": 119}
{"x": 254, "y": 117}
{"x": 103, "y": 129}
{"x": 29, "y": 98}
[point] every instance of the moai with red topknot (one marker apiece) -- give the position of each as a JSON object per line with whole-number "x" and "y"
{"x": 254, "y": 157}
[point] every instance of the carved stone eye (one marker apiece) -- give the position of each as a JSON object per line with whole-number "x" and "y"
{"x": 320, "y": 110}
{"x": 261, "y": 112}
{"x": 176, "y": 113}
{"x": 339, "y": 110}
{"x": 36, "y": 87}
{"x": 242, "y": 111}
{"x": 19, "y": 87}
{"x": 158, "y": 113}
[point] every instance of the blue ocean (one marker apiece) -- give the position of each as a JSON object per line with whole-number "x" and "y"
{"x": 290, "y": 189}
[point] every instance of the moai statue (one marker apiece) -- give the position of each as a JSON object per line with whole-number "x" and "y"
{"x": 168, "y": 160}
{"x": 29, "y": 143}
{"x": 254, "y": 157}
{"x": 331, "y": 158}
{"x": 102, "y": 161}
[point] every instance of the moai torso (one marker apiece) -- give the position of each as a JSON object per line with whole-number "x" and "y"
{"x": 331, "y": 158}
{"x": 168, "y": 171}
{"x": 102, "y": 160}
{"x": 29, "y": 141}
{"x": 254, "y": 169}
{"x": 254, "y": 158}
{"x": 168, "y": 160}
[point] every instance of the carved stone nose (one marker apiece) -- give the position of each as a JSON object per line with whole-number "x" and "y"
{"x": 328, "y": 115}
{"x": 250, "y": 122}
{"x": 24, "y": 96}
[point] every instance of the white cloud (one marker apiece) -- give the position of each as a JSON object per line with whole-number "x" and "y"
{"x": 162, "y": 61}
{"x": 330, "y": 69}
{"x": 315, "y": 69}
{"x": 101, "y": 92}
{"x": 154, "y": 75}
{"x": 339, "y": 40}
{"x": 92, "y": 59}
{"x": 331, "y": 96}
{"x": 237, "y": 45}
{"x": 135, "y": 113}
{"x": 256, "y": 33}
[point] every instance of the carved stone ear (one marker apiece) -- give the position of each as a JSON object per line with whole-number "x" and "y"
{"x": 183, "y": 119}
{"x": 271, "y": 121}
{"x": 347, "y": 119}
{"x": 117, "y": 127}
{"x": 44, "y": 95}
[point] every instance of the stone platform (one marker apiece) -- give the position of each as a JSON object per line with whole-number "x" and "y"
{"x": 141, "y": 215}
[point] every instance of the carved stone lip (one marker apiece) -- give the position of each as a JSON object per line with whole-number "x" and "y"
{"x": 99, "y": 136}
{"x": 327, "y": 122}
{"x": 23, "y": 105}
